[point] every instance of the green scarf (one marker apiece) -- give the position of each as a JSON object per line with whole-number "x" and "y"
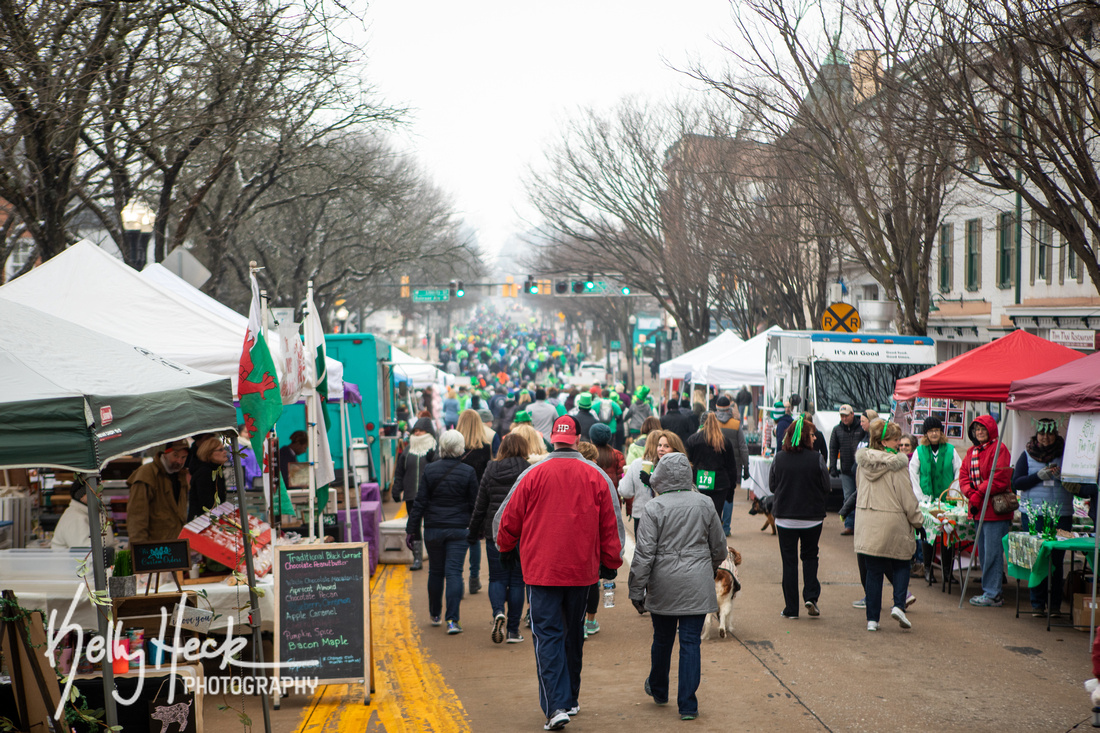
{"x": 936, "y": 469}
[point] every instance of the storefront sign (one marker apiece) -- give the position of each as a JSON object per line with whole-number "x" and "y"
{"x": 1074, "y": 338}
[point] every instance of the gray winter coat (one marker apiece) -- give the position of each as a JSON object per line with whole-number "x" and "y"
{"x": 679, "y": 545}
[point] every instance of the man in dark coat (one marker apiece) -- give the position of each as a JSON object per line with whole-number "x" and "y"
{"x": 676, "y": 421}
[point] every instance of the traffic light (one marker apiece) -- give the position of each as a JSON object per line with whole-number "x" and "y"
{"x": 531, "y": 287}
{"x": 454, "y": 289}
{"x": 590, "y": 283}
{"x": 625, "y": 290}
{"x": 459, "y": 291}
{"x": 578, "y": 286}
{"x": 404, "y": 286}
{"x": 561, "y": 287}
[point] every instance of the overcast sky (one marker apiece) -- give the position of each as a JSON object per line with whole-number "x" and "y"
{"x": 491, "y": 82}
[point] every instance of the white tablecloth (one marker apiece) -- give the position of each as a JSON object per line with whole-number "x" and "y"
{"x": 759, "y": 466}
{"x": 223, "y": 599}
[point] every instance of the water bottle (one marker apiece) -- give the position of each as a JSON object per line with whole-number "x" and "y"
{"x": 608, "y": 594}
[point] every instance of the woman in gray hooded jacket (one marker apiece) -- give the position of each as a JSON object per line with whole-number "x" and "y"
{"x": 679, "y": 545}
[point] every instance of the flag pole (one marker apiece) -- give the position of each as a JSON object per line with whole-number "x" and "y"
{"x": 311, "y": 427}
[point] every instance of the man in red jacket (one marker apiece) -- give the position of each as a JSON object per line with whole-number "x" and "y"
{"x": 563, "y": 515}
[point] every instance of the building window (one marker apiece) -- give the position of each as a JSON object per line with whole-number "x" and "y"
{"x": 973, "y": 254}
{"x": 1071, "y": 262}
{"x": 1006, "y": 250}
{"x": 946, "y": 243}
{"x": 1042, "y": 250}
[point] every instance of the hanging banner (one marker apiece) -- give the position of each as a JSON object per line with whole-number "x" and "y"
{"x": 1081, "y": 459}
{"x": 295, "y": 369}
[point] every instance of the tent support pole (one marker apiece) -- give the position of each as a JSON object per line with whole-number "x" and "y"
{"x": 254, "y": 601}
{"x": 99, "y": 572}
{"x": 985, "y": 501}
{"x": 311, "y": 428}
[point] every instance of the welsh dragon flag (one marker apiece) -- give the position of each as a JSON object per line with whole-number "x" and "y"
{"x": 258, "y": 390}
{"x": 318, "y": 403}
{"x": 257, "y": 383}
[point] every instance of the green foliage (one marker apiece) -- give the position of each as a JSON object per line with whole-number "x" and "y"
{"x": 123, "y": 564}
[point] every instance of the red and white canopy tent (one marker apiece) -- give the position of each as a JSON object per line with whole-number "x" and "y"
{"x": 985, "y": 374}
{"x": 1071, "y": 388}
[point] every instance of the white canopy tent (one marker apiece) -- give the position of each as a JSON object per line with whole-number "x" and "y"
{"x": 163, "y": 313}
{"x": 419, "y": 373}
{"x": 742, "y": 365}
{"x": 700, "y": 357}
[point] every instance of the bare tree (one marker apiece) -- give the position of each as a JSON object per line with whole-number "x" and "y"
{"x": 606, "y": 189}
{"x": 352, "y": 221}
{"x": 875, "y": 150}
{"x": 1020, "y": 96}
{"x": 52, "y": 57}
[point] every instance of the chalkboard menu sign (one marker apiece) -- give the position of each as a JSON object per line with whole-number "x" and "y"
{"x": 322, "y": 611}
{"x": 161, "y": 557}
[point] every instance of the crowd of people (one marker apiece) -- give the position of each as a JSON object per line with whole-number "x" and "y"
{"x": 544, "y": 474}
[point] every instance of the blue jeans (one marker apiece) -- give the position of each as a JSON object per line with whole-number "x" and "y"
{"x": 992, "y": 555}
{"x": 504, "y": 586}
{"x": 727, "y": 513}
{"x": 475, "y": 559}
{"x": 446, "y": 553}
{"x": 660, "y": 659}
{"x": 879, "y": 568}
{"x": 557, "y": 623}
{"x": 848, "y": 485}
{"x": 1057, "y": 558}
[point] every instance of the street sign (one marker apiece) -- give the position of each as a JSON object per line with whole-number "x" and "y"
{"x": 841, "y": 317}
{"x": 431, "y": 296}
{"x": 616, "y": 345}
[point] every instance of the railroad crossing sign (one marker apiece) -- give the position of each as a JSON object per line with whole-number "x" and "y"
{"x": 841, "y": 317}
{"x": 431, "y": 296}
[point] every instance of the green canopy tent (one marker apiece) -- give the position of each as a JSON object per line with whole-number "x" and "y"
{"x": 74, "y": 399}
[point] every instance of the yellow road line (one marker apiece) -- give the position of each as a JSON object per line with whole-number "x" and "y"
{"x": 410, "y": 695}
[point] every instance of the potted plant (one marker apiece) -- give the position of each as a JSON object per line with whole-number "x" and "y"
{"x": 122, "y": 582}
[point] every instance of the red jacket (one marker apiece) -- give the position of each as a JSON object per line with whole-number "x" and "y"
{"x": 975, "y": 493}
{"x": 564, "y": 516}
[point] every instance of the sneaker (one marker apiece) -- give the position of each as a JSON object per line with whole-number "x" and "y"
{"x": 498, "y": 628}
{"x": 514, "y": 637}
{"x": 1037, "y": 612}
{"x": 557, "y": 720}
{"x": 909, "y": 601}
{"x": 527, "y": 618}
{"x": 573, "y": 710}
{"x": 861, "y": 603}
{"x": 649, "y": 692}
{"x": 453, "y": 628}
{"x": 899, "y": 615}
{"x": 847, "y": 532}
{"x": 784, "y": 614}
{"x": 436, "y": 621}
{"x": 872, "y": 625}
{"x": 591, "y": 627}
{"x": 984, "y": 600}
{"x": 812, "y": 609}
{"x": 475, "y": 585}
{"x": 689, "y": 716}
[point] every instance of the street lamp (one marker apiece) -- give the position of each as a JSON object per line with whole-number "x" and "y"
{"x": 137, "y": 226}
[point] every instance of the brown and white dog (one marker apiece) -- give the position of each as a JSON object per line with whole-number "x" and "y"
{"x": 764, "y": 506}
{"x": 727, "y": 586}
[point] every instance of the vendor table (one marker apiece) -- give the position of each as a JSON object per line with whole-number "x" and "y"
{"x": 1028, "y": 558}
{"x": 221, "y": 598}
{"x": 759, "y": 468}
